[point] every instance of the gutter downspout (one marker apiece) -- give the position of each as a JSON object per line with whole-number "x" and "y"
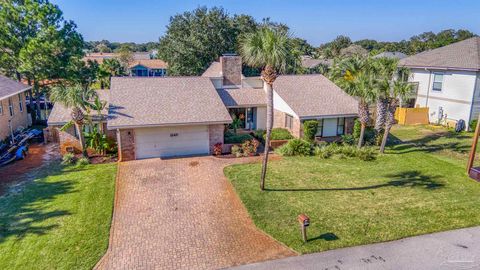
{"x": 473, "y": 99}
{"x": 428, "y": 88}
{"x": 119, "y": 144}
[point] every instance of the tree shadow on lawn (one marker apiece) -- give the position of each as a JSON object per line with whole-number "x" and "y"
{"x": 411, "y": 179}
{"x": 424, "y": 144}
{"x": 23, "y": 215}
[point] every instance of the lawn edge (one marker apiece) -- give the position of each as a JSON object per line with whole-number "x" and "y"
{"x": 112, "y": 222}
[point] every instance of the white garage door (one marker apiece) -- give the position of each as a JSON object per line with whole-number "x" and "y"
{"x": 171, "y": 141}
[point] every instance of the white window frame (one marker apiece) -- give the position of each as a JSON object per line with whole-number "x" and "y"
{"x": 288, "y": 121}
{"x": 20, "y": 103}
{"x": 10, "y": 107}
{"x": 441, "y": 82}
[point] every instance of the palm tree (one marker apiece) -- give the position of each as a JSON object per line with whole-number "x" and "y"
{"x": 268, "y": 49}
{"x": 356, "y": 76}
{"x": 109, "y": 68}
{"x": 401, "y": 90}
{"x": 384, "y": 69}
{"x": 75, "y": 98}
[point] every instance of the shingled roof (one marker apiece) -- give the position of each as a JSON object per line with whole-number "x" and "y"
{"x": 60, "y": 115}
{"x": 463, "y": 55}
{"x": 164, "y": 101}
{"x": 243, "y": 97}
{"x": 9, "y": 87}
{"x": 149, "y": 63}
{"x": 314, "y": 95}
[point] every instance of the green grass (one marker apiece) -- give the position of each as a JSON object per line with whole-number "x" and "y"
{"x": 416, "y": 188}
{"x": 61, "y": 220}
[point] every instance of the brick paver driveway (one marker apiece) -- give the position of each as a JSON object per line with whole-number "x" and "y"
{"x": 182, "y": 213}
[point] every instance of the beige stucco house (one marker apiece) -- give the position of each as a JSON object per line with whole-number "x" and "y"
{"x": 13, "y": 110}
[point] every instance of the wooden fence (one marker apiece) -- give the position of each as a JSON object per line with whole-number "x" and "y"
{"x": 412, "y": 116}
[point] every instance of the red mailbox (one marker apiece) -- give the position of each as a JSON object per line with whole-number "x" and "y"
{"x": 304, "y": 223}
{"x": 304, "y": 220}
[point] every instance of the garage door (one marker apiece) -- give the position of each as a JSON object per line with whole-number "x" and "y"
{"x": 171, "y": 141}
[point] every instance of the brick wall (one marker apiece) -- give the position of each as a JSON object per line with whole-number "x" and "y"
{"x": 19, "y": 119}
{"x": 126, "y": 144}
{"x": 215, "y": 135}
{"x": 231, "y": 69}
{"x": 279, "y": 122}
{"x": 68, "y": 141}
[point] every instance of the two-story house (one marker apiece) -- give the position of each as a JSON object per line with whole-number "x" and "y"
{"x": 448, "y": 81}
{"x": 13, "y": 111}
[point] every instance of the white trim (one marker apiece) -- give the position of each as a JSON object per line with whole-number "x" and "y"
{"x": 167, "y": 125}
{"x": 327, "y": 116}
{"x": 16, "y": 93}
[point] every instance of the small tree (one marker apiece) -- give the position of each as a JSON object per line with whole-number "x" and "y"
{"x": 310, "y": 129}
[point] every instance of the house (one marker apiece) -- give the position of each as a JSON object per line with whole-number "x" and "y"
{"x": 178, "y": 116}
{"x": 142, "y": 65}
{"x": 312, "y": 65}
{"x": 394, "y": 55}
{"x": 447, "y": 80}
{"x": 68, "y": 139}
{"x": 13, "y": 110}
{"x": 148, "y": 68}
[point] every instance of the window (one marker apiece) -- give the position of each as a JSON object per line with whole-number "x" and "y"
{"x": 1, "y": 107}
{"x": 340, "y": 126}
{"x": 320, "y": 128}
{"x": 20, "y": 102}
{"x": 10, "y": 107}
{"x": 288, "y": 121}
{"x": 437, "y": 82}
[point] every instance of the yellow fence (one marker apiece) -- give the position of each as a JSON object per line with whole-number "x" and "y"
{"x": 411, "y": 116}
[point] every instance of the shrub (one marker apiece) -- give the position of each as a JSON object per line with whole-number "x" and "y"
{"x": 357, "y": 126}
{"x": 348, "y": 139}
{"x": 367, "y": 153}
{"x": 295, "y": 147}
{"x": 236, "y": 138}
{"x": 217, "y": 149}
{"x": 473, "y": 125}
{"x": 68, "y": 159}
{"x": 310, "y": 128}
{"x": 323, "y": 152}
{"x": 259, "y": 134}
{"x": 237, "y": 151}
{"x": 249, "y": 148}
{"x": 83, "y": 161}
{"x": 280, "y": 134}
{"x": 348, "y": 151}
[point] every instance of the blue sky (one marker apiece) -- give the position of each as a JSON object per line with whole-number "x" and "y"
{"x": 316, "y": 21}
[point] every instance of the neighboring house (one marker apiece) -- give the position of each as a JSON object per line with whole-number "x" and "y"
{"x": 142, "y": 65}
{"x": 179, "y": 116}
{"x": 448, "y": 81}
{"x": 13, "y": 110}
{"x": 68, "y": 139}
{"x": 313, "y": 65}
{"x": 148, "y": 68}
{"x": 395, "y": 55}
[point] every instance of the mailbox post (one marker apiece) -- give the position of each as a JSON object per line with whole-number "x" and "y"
{"x": 304, "y": 221}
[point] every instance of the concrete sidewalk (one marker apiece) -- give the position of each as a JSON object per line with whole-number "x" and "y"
{"x": 459, "y": 249}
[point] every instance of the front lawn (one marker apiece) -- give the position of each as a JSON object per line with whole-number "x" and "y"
{"x": 411, "y": 190}
{"x": 59, "y": 221}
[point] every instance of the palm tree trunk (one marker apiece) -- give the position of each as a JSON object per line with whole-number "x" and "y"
{"x": 392, "y": 107}
{"x": 269, "y": 90}
{"x": 364, "y": 118}
{"x": 362, "y": 134}
{"x": 81, "y": 139}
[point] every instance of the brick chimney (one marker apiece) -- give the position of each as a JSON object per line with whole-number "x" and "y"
{"x": 231, "y": 69}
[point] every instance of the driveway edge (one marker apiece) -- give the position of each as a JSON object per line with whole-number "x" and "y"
{"x": 112, "y": 227}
